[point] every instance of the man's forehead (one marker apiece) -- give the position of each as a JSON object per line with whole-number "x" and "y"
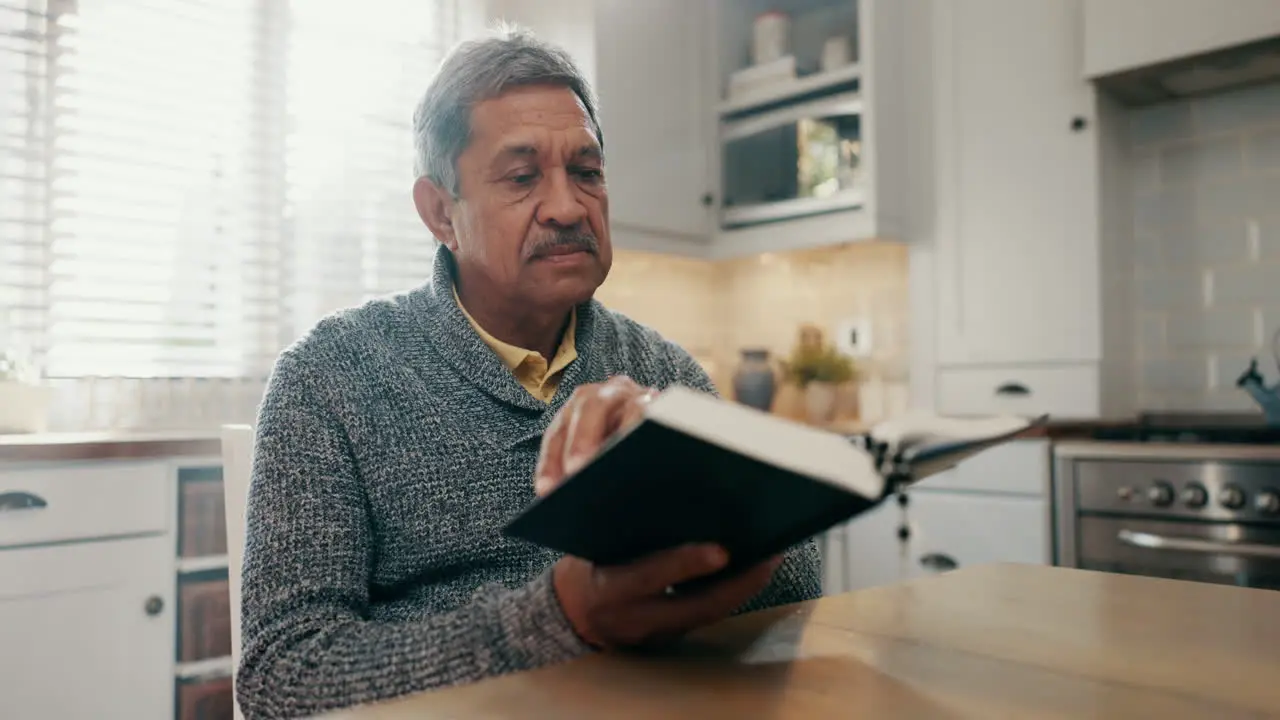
{"x": 526, "y": 118}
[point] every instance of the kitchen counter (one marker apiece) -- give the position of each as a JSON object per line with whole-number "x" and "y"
{"x": 42, "y": 447}
{"x": 1101, "y": 449}
{"x": 983, "y": 642}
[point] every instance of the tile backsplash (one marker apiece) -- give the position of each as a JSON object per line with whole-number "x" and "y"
{"x": 1206, "y": 175}
{"x": 715, "y": 309}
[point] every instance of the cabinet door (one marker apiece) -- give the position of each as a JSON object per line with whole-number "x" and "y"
{"x": 87, "y": 630}
{"x": 1017, "y": 252}
{"x": 652, "y": 61}
{"x": 962, "y": 529}
{"x": 873, "y": 552}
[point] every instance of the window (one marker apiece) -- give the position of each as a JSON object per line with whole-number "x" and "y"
{"x": 190, "y": 184}
{"x": 350, "y": 149}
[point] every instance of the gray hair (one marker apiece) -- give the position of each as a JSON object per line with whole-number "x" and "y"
{"x": 477, "y": 70}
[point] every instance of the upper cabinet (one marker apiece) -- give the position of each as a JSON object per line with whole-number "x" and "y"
{"x": 651, "y": 75}
{"x": 1122, "y": 35}
{"x": 1018, "y": 256}
{"x": 735, "y": 127}
{"x": 1030, "y": 284}
{"x": 808, "y": 122}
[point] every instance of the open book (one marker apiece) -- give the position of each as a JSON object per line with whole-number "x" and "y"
{"x": 701, "y": 469}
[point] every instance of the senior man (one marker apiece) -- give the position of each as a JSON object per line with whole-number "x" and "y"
{"x": 396, "y": 439}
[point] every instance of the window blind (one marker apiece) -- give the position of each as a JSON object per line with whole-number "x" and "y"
{"x": 190, "y": 184}
{"x": 353, "y": 228}
{"x": 23, "y": 162}
{"x": 152, "y": 186}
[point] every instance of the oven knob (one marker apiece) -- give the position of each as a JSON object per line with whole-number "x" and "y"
{"x": 1232, "y": 497}
{"x": 1267, "y": 502}
{"x": 1194, "y": 495}
{"x": 1160, "y": 494}
{"x": 1124, "y": 492}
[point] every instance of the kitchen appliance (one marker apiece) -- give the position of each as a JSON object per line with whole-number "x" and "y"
{"x": 1228, "y": 68}
{"x": 1188, "y": 498}
{"x": 1252, "y": 382}
{"x": 792, "y": 160}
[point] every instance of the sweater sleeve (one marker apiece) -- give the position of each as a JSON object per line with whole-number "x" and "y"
{"x": 799, "y": 577}
{"x": 309, "y": 645}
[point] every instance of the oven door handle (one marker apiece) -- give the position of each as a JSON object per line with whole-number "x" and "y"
{"x": 1151, "y": 541}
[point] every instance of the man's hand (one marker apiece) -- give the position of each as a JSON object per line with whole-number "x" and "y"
{"x": 592, "y": 415}
{"x": 629, "y": 606}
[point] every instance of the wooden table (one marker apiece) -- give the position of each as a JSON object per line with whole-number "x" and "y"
{"x": 998, "y": 641}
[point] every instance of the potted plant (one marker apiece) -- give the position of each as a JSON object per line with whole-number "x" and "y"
{"x": 818, "y": 369}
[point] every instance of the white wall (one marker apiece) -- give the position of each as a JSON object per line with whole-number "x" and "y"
{"x": 567, "y": 23}
{"x": 1206, "y": 177}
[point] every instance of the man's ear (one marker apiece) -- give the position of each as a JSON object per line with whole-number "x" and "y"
{"x": 435, "y": 206}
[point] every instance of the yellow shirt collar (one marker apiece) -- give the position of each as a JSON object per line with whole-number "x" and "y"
{"x": 532, "y": 370}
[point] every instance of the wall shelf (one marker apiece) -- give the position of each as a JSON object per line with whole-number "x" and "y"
{"x": 800, "y": 87}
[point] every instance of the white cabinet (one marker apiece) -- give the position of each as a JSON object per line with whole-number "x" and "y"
{"x": 881, "y": 42}
{"x": 873, "y": 553}
{"x": 87, "y": 630}
{"x": 993, "y": 507}
{"x": 651, "y": 75}
{"x": 1017, "y": 248}
{"x": 952, "y": 530}
{"x": 946, "y": 530}
{"x": 1030, "y": 308}
{"x": 1122, "y": 35}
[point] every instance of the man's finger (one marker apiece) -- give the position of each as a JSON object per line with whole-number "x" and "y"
{"x": 633, "y": 412}
{"x": 595, "y": 418}
{"x": 651, "y": 576}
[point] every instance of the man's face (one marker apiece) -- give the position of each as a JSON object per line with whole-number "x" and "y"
{"x": 532, "y": 218}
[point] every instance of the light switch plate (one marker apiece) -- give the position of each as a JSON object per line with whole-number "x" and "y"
{"x": 853, "y": 337}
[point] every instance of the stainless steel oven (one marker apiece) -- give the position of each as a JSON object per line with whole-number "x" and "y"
{"x": 1203, "y": 512}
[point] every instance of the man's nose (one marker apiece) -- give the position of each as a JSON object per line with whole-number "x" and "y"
{"x": 560, "y": 204}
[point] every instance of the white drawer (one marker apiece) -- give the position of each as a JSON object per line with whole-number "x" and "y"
{"x": 1065, "y": 392}
{"x": 83, "y": 502}
{"x": 1020, "y": 467}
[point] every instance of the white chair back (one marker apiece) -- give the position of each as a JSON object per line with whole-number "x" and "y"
{"x": 237, "y": 465}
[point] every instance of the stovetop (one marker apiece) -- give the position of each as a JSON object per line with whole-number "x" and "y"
{"x": 1244, "y": 429}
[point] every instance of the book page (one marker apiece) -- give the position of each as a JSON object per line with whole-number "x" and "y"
{"x": 771, "y": 439}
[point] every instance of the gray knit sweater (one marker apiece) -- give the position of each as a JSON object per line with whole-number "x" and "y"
{"x": 392, "y": 447}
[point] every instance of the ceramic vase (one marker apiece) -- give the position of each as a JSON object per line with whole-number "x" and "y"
{"x": 754, "y": 383}
{"x": 820, "y": 402}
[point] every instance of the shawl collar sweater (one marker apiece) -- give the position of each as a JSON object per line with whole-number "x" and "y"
{"x": 392, "y": 446}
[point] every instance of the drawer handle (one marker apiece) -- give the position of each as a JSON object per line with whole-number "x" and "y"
{"x": 1013, "y": 388}
{"x": 19, "y": 500}
{"x": 938, "y": 562}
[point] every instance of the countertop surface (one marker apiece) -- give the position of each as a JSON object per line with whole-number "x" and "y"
{"x": 106, "y": 445}
{"x": 996, "y": 641}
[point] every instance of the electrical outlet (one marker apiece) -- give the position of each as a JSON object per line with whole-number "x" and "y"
{"x": 853, "y": 337}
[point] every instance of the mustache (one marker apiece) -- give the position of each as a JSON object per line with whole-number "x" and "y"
{"x": 582, "y": 240}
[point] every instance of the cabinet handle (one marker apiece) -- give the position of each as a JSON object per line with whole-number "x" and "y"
{"x": 154, "y": 605}
{"x": 1078, "y": 123}
{"x": 938, "y": 562}
{"x": 19, "y": 500}
{"x": 1013, "y": 388}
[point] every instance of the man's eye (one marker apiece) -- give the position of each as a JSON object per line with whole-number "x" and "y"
{"x": 590, "y": 174}
{"x": 523, "y": 178}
